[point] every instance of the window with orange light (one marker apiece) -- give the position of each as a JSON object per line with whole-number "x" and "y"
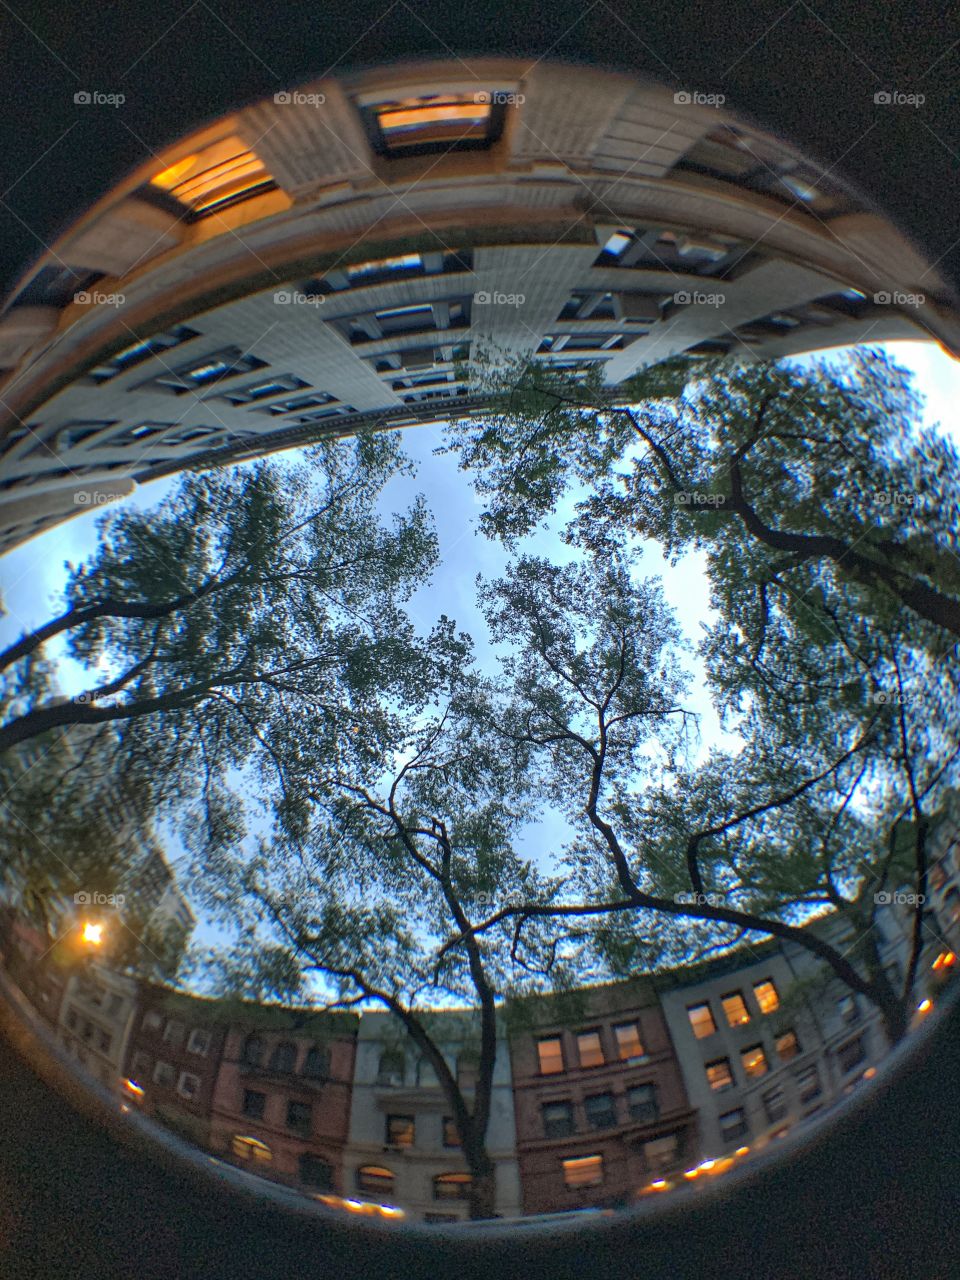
{"x": 583, "y": 1171}
{"x": 701, "y": 1020}
{"x": 735, "y": 1009}
{"x": 550, "y": 1055}
{"x": 719, "y": 1075}
{"x": 754, "y": 1061}
{"x": 788, "y": 1046}
{"x": 767, "y": 996}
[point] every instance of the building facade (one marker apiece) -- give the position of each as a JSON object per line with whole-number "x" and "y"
{"x": 281, "y": 1103}
{"x": 404, "y": 1149}
{"x": 600, "y": 1101}
{"x": 315, "y": 264}
{"x": 96, "y": 1018}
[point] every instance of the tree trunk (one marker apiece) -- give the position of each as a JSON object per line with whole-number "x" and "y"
{"x": 483, "y": 1195}
{"x": 895, "y": 1022}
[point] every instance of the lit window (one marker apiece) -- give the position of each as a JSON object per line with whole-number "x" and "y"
{"x": 251, "y": 1149}
{"x": 733, "y": 1125}
{"x": 452, "y": 1186}
{"x": 642, "y": 1103}
{"x": 754, "y": 1061}
{"x": 600, "y": 1111}
{"x": 374, "y": 1178}
{"x": 788, "y": 1046}
{"x": 557, "y": 1119}
{"x": 188, "y": 1086}
{"x": 550, "y": 1054}
{"x": 767, "y": 997}
{"x": 589, "y": 1049}
{"x": 617, "y": 243}
{"x": 719, "y": 1075}
{"x": 400, "y": 1131}
{"x": 735, "y": 1009}
{"x": 451, "y": 1138}
{"x": 217, "y": 176}
{"x": 629, "y": 1045}
{"x": 433, "y": 122}
{"x": 584, "y": 1171}
{"x": 701, "y": 1019}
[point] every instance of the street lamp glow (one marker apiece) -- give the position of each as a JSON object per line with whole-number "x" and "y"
{"x": 93, "y": 933}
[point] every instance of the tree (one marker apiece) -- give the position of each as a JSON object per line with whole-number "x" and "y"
{"x": 401, "y": 848}
{"x": 246, "y": 599}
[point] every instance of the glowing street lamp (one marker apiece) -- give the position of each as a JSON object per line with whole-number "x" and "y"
{"x": 92, "y": 933}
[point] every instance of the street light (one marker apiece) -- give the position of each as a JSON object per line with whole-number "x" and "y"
{"x": 92, "y": 933}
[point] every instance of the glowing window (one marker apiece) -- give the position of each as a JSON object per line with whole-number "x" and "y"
{"x": 550, "y": 1053}
{"x": 451, "y": 1186}
{"x": 583, "y": 1171}
{"x": 251, "y": 1149}
{"x": 701, "y": 1020}
{"x": 788, "y": 1046}
{"x": 374, "y": 1178}
{"x": 767, "y": 996}
{"x": 589, "y": 1049}
{"x": 629, "y": 1044}
{"x": 754, "y": 1060}
{"x": 719, "y": 1075}
{"x": 735, "y": 1009}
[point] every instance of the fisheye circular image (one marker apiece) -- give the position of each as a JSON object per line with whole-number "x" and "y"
{"x": 480, "y": 698}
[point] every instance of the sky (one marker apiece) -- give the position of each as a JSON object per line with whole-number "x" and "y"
{"x": 32, "y": 576}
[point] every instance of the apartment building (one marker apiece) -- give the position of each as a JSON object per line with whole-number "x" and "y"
{"x": 281, "y": 1103}
{"x": 173, "y": 1058}
{"x": 96, "y": 1018}
{"x": 320, "y": 263}
{"x": 404, "y": 1149}
{"x": 600, "y": 1100}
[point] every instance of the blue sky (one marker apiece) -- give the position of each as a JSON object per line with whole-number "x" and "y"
{"x": 32, "y": 576}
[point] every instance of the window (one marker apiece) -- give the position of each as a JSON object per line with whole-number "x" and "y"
{"x": 847, "y": 1007}
{"x": 719, "y": 1075}
{"x": 733, "y": 1125}
{"x": 735, "y": 1009}
{"x": 226, "y": 363}
{"x": 660, "y": 1154}
{"x": 589, "y": 1049}
{"x": 451, "y": 1138}
{"x": 221, "y": 174}
{"x": 557, "y": 1119}
{"x": 808, "y": 1083}
{"x": 153, "y": 1020}
{"x": 951, "y": 902}
{"x": 299, "y": 1116}
{"x": 141, "y": 351}
{"x": 199, "y": 1042}
{"x": 163, "y": 1073}
{"x": 284, "y": 1057}
{"x": 253, "y": 1051}
{"x": 173, "y": 1032}
{"x": 550, "y": 1054}
{"x": 312, "y": 401}
{"x": 788, "y": 1046}
{"x": 467, "y": 1066}
{"x": 851, "y": 1054}
{"x": 105, "y": 1040}
{"x": 452, "y": 1186}
{"x": 600, "y": 1110}
{"x": 583, "y": 1171}
{"x": 629, "y": 1045}
{"x": 316, "y": 1172}
{"x": 260, "y": 390}
{"x": 316, "y": 1065}
{"x": 400, "y": 1131}
{"x": 140, "y": 1066}
{"x": 188, "y": 1086}
{"x": 251, "y": 1149}
{"x": 254, "y": 1103}
{"x": 701, "y": 1019}
{"x": 642, "y": 1103}
{"x": 775, "y": 1105}
{"x": 767, "y": 996}
{"x": 433, "y": 122}
{"x": 754, "y": 1060}
{"x": 374, "y": 1178}
{"x": 391, "y": 1069}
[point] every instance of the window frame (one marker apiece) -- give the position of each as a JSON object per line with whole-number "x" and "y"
{"x": 695, "y": 1008}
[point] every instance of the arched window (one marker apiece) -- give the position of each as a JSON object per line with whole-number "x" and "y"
{"x": 391, "y": 1067}
{"x": 253, "y": 1050}
{"x": 451, "y": 1186}
{"x": 316, "y": 1065}
{"x": 284, "y": 1057}
{"x": 374, "y": 1178}
{"x": 467, "y": 1065}
{"x": 426, "y": 1076}
{"x": 251, "y": 1150}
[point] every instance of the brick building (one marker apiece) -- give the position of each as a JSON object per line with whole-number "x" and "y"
{"x": 601, "y": 1108}
{"x": 281, "y": 1103}
{"x": 173, "y": 1056}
